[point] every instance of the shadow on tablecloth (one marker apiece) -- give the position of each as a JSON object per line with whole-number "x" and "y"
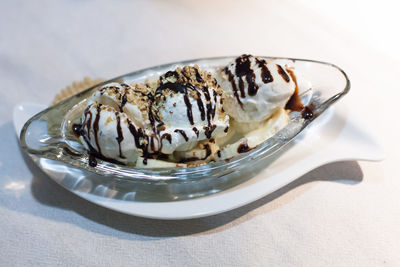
{"x": 48, "y": 192}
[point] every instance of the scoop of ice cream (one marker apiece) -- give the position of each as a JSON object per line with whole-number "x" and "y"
{"x": 189, "y": 104}
{"x": 106, "y": 133}
{"x": 116, "y": 123}
{"x": 130, "y": 99}
{"x": 255, "y": 88}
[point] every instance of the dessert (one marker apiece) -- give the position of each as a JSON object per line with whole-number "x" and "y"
{"x": 188, "y": 116}
{"x": 254, "y": 88}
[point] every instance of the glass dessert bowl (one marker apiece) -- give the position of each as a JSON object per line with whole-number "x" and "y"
{"x": 50, "y": 134}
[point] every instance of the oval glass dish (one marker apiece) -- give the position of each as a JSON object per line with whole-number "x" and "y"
{"x": 48, "y": 135}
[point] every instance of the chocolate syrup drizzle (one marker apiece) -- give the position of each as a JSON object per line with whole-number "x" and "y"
{"x": 124, "y": 100}
{"x": 233, "y": 84}
{"x": 200, "y": 105}
{"x": 196, "y": 131}
{"x": 179, "y": 88}
{"x": 96, "y": 128}
{"x": 87, "y": 122}
{"x": 120, "y": 135}
{"x": 243, "y": 148}
{"x": 137, "y": 134}
{"x": 189, "y": 109}
{"x": 243, "y": 69}
{"x": 141, "y": 140}
{"x": 266, "y": 76}
{"x": 208, "y": 151}
{"x": 307, "y": 113}
{"x": 294, "y": 102}
{"x": 198, "y": 77}
{"x": 166, "y": 136}
{"x": 182, "y": 132}
{"x": 208, "y": 130}
{"x": 93, "y": 153}
{"x": 283, "y": 73}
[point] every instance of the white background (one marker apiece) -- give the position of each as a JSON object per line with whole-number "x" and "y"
{"x": 341, "y": 214}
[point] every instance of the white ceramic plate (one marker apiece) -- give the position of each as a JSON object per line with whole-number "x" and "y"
{"x": 335, "y": 136}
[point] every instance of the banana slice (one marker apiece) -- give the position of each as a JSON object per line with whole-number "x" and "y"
{"x": 204, "y": 152}
{"x": 253, "y": 138}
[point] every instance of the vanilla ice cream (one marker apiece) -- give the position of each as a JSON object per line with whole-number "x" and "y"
{"x": 115, "y": 123}
{"x": 255, "y": 88}
{"x": 189, "y": 103}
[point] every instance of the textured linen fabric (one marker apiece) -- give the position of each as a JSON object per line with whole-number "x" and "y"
{"x": 341, "y": 214}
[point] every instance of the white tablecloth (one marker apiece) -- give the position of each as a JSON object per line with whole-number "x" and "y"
{"x": 341, "y": 214}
